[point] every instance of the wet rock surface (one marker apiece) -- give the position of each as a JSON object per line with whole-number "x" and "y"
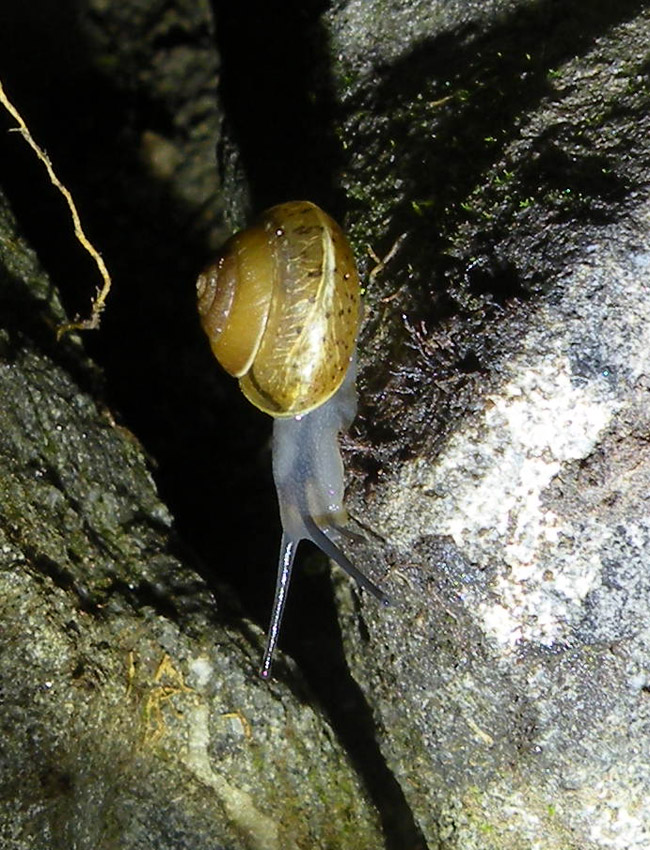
{"x": 131, "y": 712}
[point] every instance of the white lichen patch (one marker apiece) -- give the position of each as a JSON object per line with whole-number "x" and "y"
{"x": 617, "y": 823}
{"x": 487, "y": 489}
{"x": 200, "y": 672}
{"x": 488, "y": 486}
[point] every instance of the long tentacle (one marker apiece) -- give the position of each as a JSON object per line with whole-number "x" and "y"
{"x": 287, "y": 554}
{"x": 318, "y": 536}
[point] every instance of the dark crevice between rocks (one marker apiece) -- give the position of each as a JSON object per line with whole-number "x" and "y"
{"x": 213, "y": 469}
{"x": 279, "y": 107}
{"x": 278, "y": 100}
{"x": 317, "y": 647}
{"x": 159, "y": 379}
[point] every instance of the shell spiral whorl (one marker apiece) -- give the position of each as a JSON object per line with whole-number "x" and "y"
{"x": 281, "y": 306}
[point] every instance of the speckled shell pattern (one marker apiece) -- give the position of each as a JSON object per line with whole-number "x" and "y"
{"x": 290, "y": 333}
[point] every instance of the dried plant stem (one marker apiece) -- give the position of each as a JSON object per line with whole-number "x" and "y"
{"x": 99, "y": 301}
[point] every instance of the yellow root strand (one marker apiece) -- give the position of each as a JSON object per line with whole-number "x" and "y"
{"x": 99, "y": 301}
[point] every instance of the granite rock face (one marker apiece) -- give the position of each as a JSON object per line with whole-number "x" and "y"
{"x": 131, "y": 714}
{"x": 515, "y": 514}
{"x": 519, "y": 641}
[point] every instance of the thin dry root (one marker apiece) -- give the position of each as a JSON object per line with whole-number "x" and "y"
{"x": 99, "y": 301}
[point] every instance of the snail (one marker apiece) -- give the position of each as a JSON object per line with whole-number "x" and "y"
{"x": 281, "y": 306}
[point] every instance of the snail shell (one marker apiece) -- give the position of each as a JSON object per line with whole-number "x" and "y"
{"x": 281, "y": 307}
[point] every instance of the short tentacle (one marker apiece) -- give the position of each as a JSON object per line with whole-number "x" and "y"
{"x": 327, "y": 545}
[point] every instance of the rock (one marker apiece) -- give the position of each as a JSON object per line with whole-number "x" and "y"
{"x": 131, "y": 713}
{"x": 510, "y": 466}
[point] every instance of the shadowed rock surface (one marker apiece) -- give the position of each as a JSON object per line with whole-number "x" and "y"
{"x": 131, "y": 714}
{"x": 511, "y": 433}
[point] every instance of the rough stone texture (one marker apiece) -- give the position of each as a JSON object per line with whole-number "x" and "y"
{"x": 131, "y": 716}
{"x": 522, "y": 583}
{"x": 511, "y": 477}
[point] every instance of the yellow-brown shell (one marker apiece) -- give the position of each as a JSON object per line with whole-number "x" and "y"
{"x": 281, "y": 305}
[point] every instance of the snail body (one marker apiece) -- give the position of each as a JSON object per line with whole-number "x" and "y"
{"x": 281, "y": 307}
